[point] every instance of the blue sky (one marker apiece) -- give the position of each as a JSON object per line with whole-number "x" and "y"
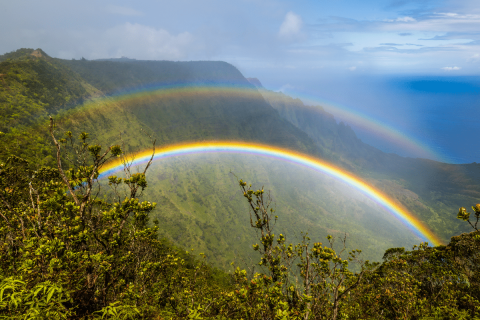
{"x": 370, "y": 36}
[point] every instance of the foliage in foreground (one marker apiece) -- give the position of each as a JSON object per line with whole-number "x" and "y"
{"x": 68, "y": 253}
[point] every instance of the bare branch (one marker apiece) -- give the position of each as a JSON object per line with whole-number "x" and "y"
{"x": 59, "y": 165}
{"x": 90, "y": 179}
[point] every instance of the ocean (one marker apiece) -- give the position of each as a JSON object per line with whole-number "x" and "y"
{"x": 441, "y": 114}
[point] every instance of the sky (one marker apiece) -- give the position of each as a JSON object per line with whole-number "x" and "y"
{"x": 381, "y": 36}
{"x": 334, "y": 50}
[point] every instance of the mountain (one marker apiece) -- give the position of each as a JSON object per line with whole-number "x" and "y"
{"x": 200, "y": 205}
{"x": 194, "y": 116}
{"x": 34, "y": 86}
{"x": 255, "y": 82}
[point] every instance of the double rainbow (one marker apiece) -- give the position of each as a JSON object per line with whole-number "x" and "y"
{"x": 397, "y": 210}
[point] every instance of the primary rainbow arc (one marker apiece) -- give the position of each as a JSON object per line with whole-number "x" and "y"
{"x": 398, "y": 211}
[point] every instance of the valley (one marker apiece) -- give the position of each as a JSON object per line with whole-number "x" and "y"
{"x": 199, "y": 202}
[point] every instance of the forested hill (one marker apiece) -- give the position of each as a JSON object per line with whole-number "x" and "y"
{"x": 32, "y": 87}
{"x": 199, "y": 116}
{"x": 112, "y": 76}
{"x": 35, "y": 85}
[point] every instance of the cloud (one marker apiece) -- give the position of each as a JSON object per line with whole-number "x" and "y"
{"x": 455, "y": 35}
{"x": 451, "y": 68}
{"x": 470, "y": 6}
{"x": 405, "y": 19}
{"x": 143, "y": 42}
{"x": 474, "y": 58}
{"x": 291, "y": 26}
{"x": 402, "y": 19}
{"x": 352, "y": 68}
{"x": 381, "y": 49}
{"x": 285, "y": 87}
{"x": 132, "y": 40}
{"x": 421, "y": 50}
{"x": 255, "y": 35}
{"x": 124, "y": 11}
{"x": 450, "y": 22}
{"x": 401, "y": 3}
{"x": 430, "y": 22}
{"x": 472, "y": 43}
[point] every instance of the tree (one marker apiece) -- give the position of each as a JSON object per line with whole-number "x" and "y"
{"x": 325, "y": 280}
{"x": 69, "y": 250}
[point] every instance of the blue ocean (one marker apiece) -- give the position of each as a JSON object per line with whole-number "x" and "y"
{"x": 441, "y": 113}
{"x": 447, "y": 114}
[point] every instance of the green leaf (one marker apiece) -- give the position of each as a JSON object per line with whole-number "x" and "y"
{"x": 51, "y": 291}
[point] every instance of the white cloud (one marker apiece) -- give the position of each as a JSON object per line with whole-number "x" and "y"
{"x": 436, "y": 22}
{"x": 401, "y": 19}
{"x": 474, "y": 58}
{"x": 132, "y": 40}
{"x": 406, "y": 19}
{"x": 144, "y": 42}
{"x": 451, "y": 68}
{"x": 352, "y": 68}
{"x": 303, "y": 36}
{"x": 124, "y": 11}
{"x": 291, "y": 26}
{"x": 285, "y": 87}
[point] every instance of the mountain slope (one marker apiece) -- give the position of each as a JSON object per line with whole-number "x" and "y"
{"x": 34, "y": 87}
{"x": 439, "y": 189}
{"x": 199, "y": 115}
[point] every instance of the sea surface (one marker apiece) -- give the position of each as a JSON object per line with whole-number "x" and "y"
{"x": 441, "y": 114}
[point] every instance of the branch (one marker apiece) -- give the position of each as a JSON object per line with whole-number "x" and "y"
{"x": 134, "y": 189}
{"x": 89, "y": 181}
{"x": 153, "y": 154}
{"x": 8, "y": 206}
{"x": 38, "y": 205}
{"x": 59, "y": 165}
{"x": 353, "y": 286}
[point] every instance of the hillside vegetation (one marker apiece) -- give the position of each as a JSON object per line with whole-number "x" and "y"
{"x": 201, "y": 206}
{"x": 74, "y": 255}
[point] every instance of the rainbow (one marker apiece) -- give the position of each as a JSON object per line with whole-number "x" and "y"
{"x": 397, "y": 210}
{"x": 234, "y": 89}
{"x": 176, "y": 90}
{"x": 370, "y": 124}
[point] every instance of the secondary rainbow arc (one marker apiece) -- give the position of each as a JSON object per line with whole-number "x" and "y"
{"x": 370, "y": 124}
{"x": 408, "y": 219}
{"x": 196, "y": 89}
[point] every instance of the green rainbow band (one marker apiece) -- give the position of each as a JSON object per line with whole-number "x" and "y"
{"x": 417, "y": 227}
